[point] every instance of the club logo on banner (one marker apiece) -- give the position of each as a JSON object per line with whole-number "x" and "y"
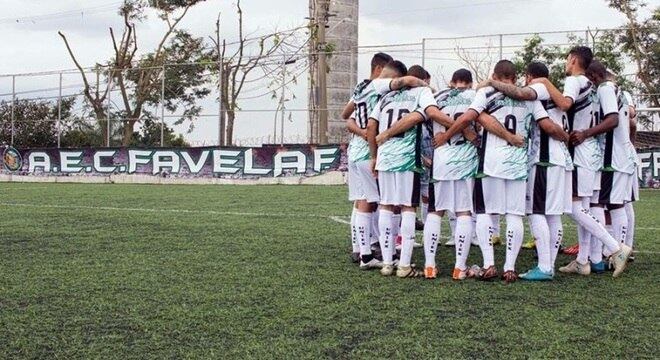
{"x": 223, "y": 162}
{"x": 12, "y": 159}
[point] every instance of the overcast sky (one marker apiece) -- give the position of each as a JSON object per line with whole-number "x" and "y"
{"x": 30, "y": 41}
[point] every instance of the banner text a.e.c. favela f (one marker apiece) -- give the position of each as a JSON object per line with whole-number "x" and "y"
{"x": 196, "y": 162}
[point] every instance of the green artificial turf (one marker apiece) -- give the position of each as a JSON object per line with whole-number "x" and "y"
{"x": 148, "y": 271}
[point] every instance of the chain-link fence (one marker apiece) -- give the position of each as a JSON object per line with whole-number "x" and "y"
{"x": 154, "y": 106}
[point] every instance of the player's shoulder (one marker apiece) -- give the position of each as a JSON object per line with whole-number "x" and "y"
{"x": 488, "y": 92}
{"x": 359, "y": 88}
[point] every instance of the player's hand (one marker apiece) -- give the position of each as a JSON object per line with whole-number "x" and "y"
{"x": 382, "y": 137}
{"x": 439, "y": 139}
{"x": 483, "y": 84}
{"x": 516, "y": 140}
{"x": 363, "y": 134}
{"x": 372, "y": 166}
{"x": 577, "y": 137}
{"x": 427, "y": 162}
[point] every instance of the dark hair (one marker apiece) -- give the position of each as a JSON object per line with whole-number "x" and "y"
{"x": 583, "y": 54}
{"x": 418, "y": 72}
{"x": 537, "y": 69}
{"x": 462, "y": 75}
{"x": 427, "y": 75}
{"x": 596, "y": 70}
{"x": 380, "y": 59}
{"x": 398, "y": 66}
{"x": 504, "y": 69}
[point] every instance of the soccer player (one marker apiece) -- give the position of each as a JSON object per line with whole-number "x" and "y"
{"x": 587, "y": 158}
{"x": 500, "y": 182}
{"x": 618, "y": 170}
{"x": 363, "y": 189}
{"x": 549, "y": 192}
{"x": 630, "y": 211}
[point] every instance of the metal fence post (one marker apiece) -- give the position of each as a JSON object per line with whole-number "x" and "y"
{"x": 107, "y": 111}
{"x": 13, "y": 105}
{"x": 283, "y": 98}
{"x": 221, "y": 117}
{"x": 501, "y": 38}
{"x": 423, "y": 52}
{"x": 59, "y": 114}
{"x": 162, "y": 109}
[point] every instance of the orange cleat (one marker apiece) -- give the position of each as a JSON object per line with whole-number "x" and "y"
{"x": 459, "y": 274}
{"x": 430, "y": 272}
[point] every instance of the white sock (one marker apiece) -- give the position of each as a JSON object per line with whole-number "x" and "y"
{"x": 424, "y": 210}
{"x": 556, "y": 235}
{"x": 541, "y": 232}
{"x": 375, "y": 233}
{"x": 386, "y": 240}
{"x": 462, "y": 236}
{"x": 514, "y": 237}
{"x": 484, "y": 234}
{"x": 431, "y": 235}
{"x": 596, "y": 251}
{"x": 495, "y": 220}
{"x": 363, "y": 226}
{"x": 452, "y": 223}
{"x": 354, "y": 236}
{"x": 584, "y": 237}
{"x": 407, "y": 237}
{"x": 619, "y": 224}
{"x": 630, "y": 214}
{"x": 396, "y": 225}
{"x": 583, "y": 217}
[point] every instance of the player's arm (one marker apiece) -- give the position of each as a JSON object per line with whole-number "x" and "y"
{"x": 354, "y": 128}
{"x": 553, "y": 130}
{"x": 494, "y": 127}
{"x": 610, "y": 122}
{"x": 633, "y": 128}
{"x": 563, "y": 102}
{"x": 459, "y": 125}
{"x": 406, "y": 81}
{"x": 511, "y": 90}
{"x": 443, "y": 119}
{"x": 348, "y": 110}
{"x": 401, "y": 126}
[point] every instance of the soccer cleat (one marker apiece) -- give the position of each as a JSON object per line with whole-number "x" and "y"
{"x": 408, "y": 272}
{"x": 474, "y": 241}
{"x": 487, "y": 274}
{"x": 529, "y": 244}
{"x": 496, "y": 240}
{"x": 572, "y": 250}
{"x": 598, "y": 268}
{"x": 387, "y": 270}
{"x": 397, "y": 242}
{"x": 459, "y": 274}
{"x": 510, "y": 276}
{"x": 473, "y": 271}
{"x": 355, "y": 257}
{"x": 536, "y": 274}
{"x": 574, "y": 267}
{"x": 371, "y": 264}
{"x": 419, "y": 225}
{"x": 417, "y": 245}
{"x": 619, "y": 259}
{"x": 430, "y": 272}
{"x": 450, "y": 242}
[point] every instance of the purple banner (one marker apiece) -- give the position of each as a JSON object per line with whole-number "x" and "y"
{"x": 222, "y": 162}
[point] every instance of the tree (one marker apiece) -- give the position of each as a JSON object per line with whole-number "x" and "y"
{"x": 640, "y": 40}
{"x": 34, "y": 122}
{"x": 236, "y": 65}
{"x": 139, "y": 78}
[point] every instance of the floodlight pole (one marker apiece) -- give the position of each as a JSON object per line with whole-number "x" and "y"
{"x": 423, "y": 52}
{"x": 162, "y": 109}
{"x": 59, "y": 114}
{"x": 13, "y": 105}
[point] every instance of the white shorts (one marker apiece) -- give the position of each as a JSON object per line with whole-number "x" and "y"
{"x": 596, "y": 193}
{"x": 400, "y": 188}
{"x": 584, "y": 182}
{"x": 615, "y": 188}
{"x": 499, "y": 196}
{"x": 451, "y": 195}
{"x": 361, "y": 183}
{"x": 546, "y": 190}
{"x": 635, "y": 187}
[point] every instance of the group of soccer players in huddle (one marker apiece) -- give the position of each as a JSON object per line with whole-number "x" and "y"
{"x": 502, "y": 150}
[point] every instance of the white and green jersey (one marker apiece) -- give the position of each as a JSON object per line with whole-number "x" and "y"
{"x": 457, "y": 159}
{"x": 496, "y": 157}
{"x": 365, "y": 97}
{"x": 618, "y": 151}
{"x": 543, "y": 149}
{"x": 580, "y": 117}
{"x": 401, "y": 152}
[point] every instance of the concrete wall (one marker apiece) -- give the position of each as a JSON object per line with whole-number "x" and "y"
{"x": 342, "y": 31}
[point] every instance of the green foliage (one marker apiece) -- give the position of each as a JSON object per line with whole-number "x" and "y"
{"x": 262, "y": 272}
{"x": 149, "y": 135}
{"x": 34, "y": 122}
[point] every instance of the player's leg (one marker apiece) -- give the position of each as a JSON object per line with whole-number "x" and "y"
{"x": 542, "y": 200}
{"x": 408, "y": 191}
{"x": 369, "y": 187}
{"x": 615, "y": 188}
{"x": 556, "y": 236}
{"x": 432, "y": 229}
{"x": 461, "y": 204}
{"x": 387, "y": 186}
{"x": 630, "y": 212}
{"x": 486, "y": 201}
{"x": 515, "y": 209}
{"x": 451, "y": 218}
{"x": 355, "y": 194}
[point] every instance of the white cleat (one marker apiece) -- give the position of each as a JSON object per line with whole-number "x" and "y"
{"x": 387, "y": 270}
{"x": 450, "y": 242}
{"x": 371, "y": 264}
{"x": 619, "y": 259}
